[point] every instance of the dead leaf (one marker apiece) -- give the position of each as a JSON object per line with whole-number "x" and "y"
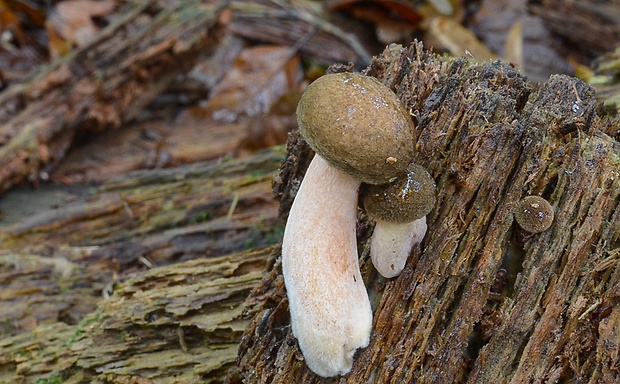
{"x": 32, "y": 11}
{"x": 70, "y": 23}
{"x": 443, "y": 6}
{"x": 390, "y": 9}
{"x": 20, "y": 49}
{"x": 58, "y": 46}
{"x": 267, "y": 130}
{"x": 447, "y": 34}
{"x": 264, "y": 131}
{"x": 394, "y": 20}
{"x": 259, "y": 77}
{"x": 513, "y": 52}
{"x": 9, "y": 21}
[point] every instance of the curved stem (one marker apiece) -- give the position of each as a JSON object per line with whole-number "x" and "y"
{"x": 330, "y": 311}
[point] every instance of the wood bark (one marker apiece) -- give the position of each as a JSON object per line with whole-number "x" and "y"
{"x": 144, "y": 279}
{"x": 179, "y": 324}
{"x": 101, "y": 85}
{"x": 480, "y": 300}
{"x": 307, "y": 28}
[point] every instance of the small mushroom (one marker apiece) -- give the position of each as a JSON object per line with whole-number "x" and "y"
{"x": 359, "y": 131}
{"x": 534, "y": 214}
{"x": 399, "y": 209}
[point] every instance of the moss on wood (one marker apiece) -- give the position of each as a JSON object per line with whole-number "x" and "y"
{"x": 480, "y": 300}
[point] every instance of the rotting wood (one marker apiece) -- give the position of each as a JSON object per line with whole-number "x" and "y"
{"x": 606, "y": 79}
{"x": 176, "y": 324}
{"x": 57, "y": 264}
{"x": 103, "y": 84}
{"x": 302, "y": 25}
{"x": 481, "y": 301}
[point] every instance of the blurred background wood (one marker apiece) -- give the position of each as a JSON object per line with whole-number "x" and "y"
{"x": 182, "y": 247}
{"x": 105, "y": 83}
{"x": 178, "y": 324}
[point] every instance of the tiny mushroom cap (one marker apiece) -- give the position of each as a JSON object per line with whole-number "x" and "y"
{"x": 534, "y": 214}
{"x": 405, "y": 199}
{"x": 399, "y": 209}
{"x": 358, "y": 125}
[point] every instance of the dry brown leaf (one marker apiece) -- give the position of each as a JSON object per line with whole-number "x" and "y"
{"x": 447, "y": 34}
{"x": 389, "y": 9}
{"x": 31, "y": 11}
{"x": 8, "y": 19}
{"x": 513, "y": 52}
{"x": 19, "y": 47}
{"x": 444, "y": 7}
{"x": 394, "y": 20}
{"x": 58, "y": 46}
{"x": 70, "y": 23}
{"x": 267, "y": 130}
{"x": 259, "y": 77}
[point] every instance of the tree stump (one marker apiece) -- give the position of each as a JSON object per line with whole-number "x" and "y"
{"x": 480, "y": 300}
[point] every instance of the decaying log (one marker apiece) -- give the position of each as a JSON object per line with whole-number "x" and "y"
{"x": 58, "y": 264}
{"x": 607, "y": 74}
{"x": 206, "y": 227}
{"x": 303, "y": 25}
{"x": 179, "y": 324}
{"x": 103, "y": 84}
{"x": 481, "y": 301}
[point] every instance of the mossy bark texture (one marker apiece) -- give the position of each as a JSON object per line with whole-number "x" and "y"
{"x": 144, "y": 280}
{"x": 480, "y": 301}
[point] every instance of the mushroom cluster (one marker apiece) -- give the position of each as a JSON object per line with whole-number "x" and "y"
{"x": 360, "y": 132}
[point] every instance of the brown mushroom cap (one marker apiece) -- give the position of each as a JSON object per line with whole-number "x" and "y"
{"x": 534, "y": 214}
{"x": 403, "y": 200}
{"x": 358, "y": 125}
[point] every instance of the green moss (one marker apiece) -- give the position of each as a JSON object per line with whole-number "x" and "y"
{"x": 87, "y": 321}
{"x": 55, "y": 378}
{"x": 7, "y": 327}
{"x": 201, "y": 217}
{"x": 275, "y": 236}
{"x": 64, "y": 289}
{"x": 250, "y": 243}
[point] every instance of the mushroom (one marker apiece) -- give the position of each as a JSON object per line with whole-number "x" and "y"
{"x": 360, "y": 132}
{"x": 534, "y": 214}
{"x": 399, "y": 209}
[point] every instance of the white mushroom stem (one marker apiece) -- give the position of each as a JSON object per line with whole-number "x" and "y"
{"x": 391, "y": 244}
{"x": 330, "y": 311}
